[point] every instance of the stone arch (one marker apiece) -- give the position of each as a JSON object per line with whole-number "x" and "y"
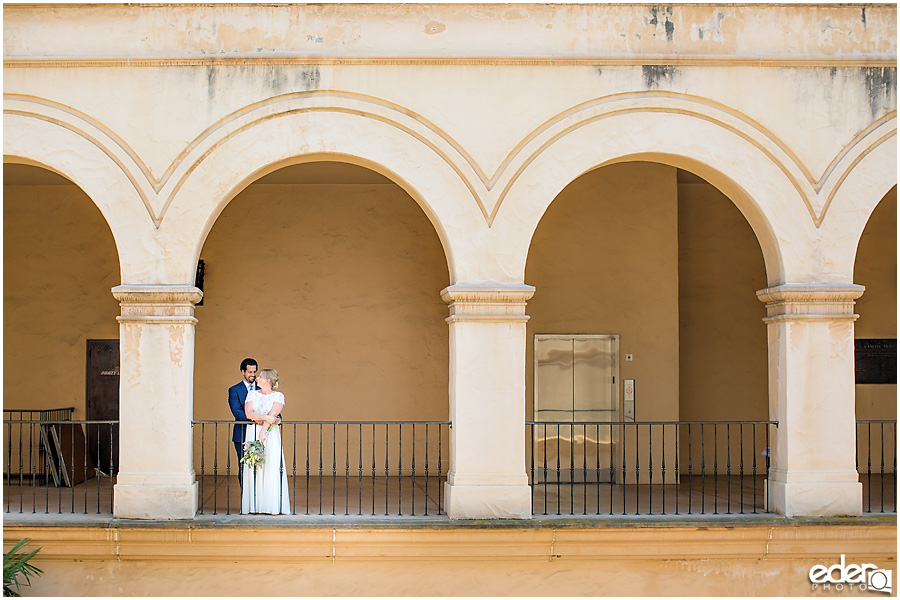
{"x": 294, "y": 133}
{"x": 66, "y": 149}
{"x": 739, "y": 163}
{"x": 862, "y": 185}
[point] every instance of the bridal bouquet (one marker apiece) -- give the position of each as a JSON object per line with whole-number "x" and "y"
{"x": 254, "y": 453}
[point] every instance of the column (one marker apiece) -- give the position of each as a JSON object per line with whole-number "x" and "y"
{"x": 812, "y": 396}
{"x": 156, "y": 474}
{"x": 487, "y": 476}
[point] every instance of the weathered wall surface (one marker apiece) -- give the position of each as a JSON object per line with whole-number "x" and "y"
{"x": 812, "y": 106}
{"x": 482, "y": 115}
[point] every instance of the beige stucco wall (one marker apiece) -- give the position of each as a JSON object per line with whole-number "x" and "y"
{"x": 683, "y": 97}
{"x": 338, "y": 288}
{"x": 604, "y": 260}
{"x": 188, "y": 104}
{"x": 59, "y": 265}
{"x": 723, "y": 368}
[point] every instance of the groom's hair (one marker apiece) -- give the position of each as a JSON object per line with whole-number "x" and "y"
{"x": 248, "y": 362}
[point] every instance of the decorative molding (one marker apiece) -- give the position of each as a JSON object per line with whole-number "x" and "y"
{"x": 599, "y": 60}
{"x": 810, "y": 302}
{"x": 449, "y": 150}
{"x": 157, "y": 304}
{"x": 488, "y": 304}
{"x": 530, "y": 540}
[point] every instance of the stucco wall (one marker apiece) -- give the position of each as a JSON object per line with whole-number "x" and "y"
{"x": 604, "y": 260}
{"x": 723, "y": 364}
{"x": 338, "y": 288}
{"x": 59, "y": 265}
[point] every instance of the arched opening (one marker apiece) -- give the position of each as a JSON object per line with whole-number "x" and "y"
{"x": 660, "y": 258}
{"x": 60, "y": 331}
{"x": 331, "y": 274}
{"x": 59, "y": 264}
{"x": 875, "y": 334}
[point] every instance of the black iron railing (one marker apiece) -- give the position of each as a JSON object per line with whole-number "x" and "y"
{"x": 364, "y": 468}
{"x": 876, "y": 462}
{"x": 649, "y": 468}
{"x": 361, "y": 468}
{"x": 59, "y": 466}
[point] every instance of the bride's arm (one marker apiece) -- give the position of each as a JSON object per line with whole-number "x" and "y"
{"x": 256, "y": 417}
{"x": 276, "y": 410}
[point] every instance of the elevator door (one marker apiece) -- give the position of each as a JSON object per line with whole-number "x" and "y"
{"x": 575, "y": 393}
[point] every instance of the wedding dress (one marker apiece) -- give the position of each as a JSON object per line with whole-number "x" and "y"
{"x": 265, "y": 485}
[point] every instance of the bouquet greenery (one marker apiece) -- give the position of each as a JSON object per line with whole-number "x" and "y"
{"x": 254, "y": 453}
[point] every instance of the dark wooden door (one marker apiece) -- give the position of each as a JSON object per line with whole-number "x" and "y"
{"x": 102, "y": 403}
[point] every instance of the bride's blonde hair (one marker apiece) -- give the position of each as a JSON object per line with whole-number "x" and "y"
{"x": 270, "y": 375}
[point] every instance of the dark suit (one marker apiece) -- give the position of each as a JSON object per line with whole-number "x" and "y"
{"x": 237, "y": 396}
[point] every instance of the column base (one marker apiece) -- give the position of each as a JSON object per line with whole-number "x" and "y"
{"x": 487, "y": 501}
{"x": 156, "y": 502}
{"x": 815, "y": 499}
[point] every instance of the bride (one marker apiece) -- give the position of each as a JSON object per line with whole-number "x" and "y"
{"x": 265, "y": 487}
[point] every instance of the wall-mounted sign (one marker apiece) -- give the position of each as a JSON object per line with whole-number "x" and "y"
{"x": 876, "y": 360}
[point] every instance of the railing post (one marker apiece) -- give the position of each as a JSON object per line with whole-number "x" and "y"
{"x": 156, "y": 474}
{"x": 487, "y": 477}
{"x": 811, "y": 395}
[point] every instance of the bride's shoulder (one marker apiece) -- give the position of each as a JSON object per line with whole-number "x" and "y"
{"x": 279, "y": 397}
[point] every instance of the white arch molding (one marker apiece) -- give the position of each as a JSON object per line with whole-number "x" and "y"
{"x": 36, "y": 142}
{"x": 758, "y": 186}
{"x": 863, "y": 185}
{"x": 243, "y": 152}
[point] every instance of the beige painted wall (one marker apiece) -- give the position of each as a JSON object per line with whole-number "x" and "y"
{"x": 678, "y": 284}
{"x": 723, "y": 348}
{"x": 59, "y": 264}
{"x": 876, "y": 268}
{"x": 338, "y": 288}
{"x": 604, "y": 260}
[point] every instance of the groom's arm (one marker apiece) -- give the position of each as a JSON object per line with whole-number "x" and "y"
{"x": 236, "y": 406}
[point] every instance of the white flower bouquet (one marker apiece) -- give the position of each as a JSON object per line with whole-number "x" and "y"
{"x": 254, "y": 453}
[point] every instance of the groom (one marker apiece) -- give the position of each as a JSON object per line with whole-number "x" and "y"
{"x": 237, "y": 395}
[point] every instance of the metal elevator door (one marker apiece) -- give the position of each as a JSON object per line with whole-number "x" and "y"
{"x": 575, "y": 391}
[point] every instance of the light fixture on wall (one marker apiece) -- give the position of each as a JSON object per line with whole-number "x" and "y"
{"x": 198, "y": 280}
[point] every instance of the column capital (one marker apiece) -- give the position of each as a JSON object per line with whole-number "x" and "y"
{"x": 810, "y": 302}
{"x": 487, "y": 303}
{"x": 157, "y": 303}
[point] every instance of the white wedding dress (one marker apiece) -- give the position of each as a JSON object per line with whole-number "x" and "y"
{"x": 266, "y": 485}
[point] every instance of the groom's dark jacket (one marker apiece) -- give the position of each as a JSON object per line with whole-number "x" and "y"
{"x": 237, "y": 396}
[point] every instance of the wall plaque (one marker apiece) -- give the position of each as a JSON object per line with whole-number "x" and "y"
{"x": 876, "y": 360}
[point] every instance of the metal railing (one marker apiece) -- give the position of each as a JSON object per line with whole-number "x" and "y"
{"x": 876, "y": 462}
{"x": 59, "y": 466}
{"x": 649, "y": 468}
{"x": 367, "y": 468}
{"x": 35, "y": 468}
{"x": 363, "y": 468}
